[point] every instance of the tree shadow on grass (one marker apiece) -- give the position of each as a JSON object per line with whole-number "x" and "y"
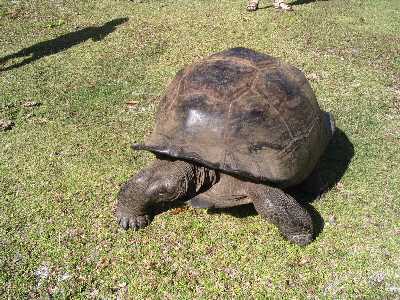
{"x": 61, "y": 43}
{"x": 294, "y": 3}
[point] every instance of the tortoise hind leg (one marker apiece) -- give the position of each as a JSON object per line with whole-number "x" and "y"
{"x": 282, "y": 210}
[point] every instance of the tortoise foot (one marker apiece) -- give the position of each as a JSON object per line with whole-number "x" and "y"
{"x": 300, "y": 239}
{"x": 133, "y": 222}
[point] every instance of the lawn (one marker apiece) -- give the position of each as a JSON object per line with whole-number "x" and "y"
{"x": 87, "y": 86}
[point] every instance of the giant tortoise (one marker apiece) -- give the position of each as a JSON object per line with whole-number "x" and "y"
{"x": 235, "y": 128}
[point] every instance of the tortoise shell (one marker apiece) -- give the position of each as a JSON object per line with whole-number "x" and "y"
{"x": 244, "y": 113}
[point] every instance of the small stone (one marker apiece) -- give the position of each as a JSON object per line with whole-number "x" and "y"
{"x": 340, "y": 186}
{"x": 6, "y": 125}
{"x": 394, "y": 289}
{"x": 313, "y": 77}
{"x": 386, "y": 253}
{"x": 31, "y": 104}
{"x": 42, "y": 273}
{"x": 64, "y": 277}
{"x": 332, "y": 288}
{"x": 331, "y": 220}
{"x": 94, "y": 293}
{"x": 378, "y": 278}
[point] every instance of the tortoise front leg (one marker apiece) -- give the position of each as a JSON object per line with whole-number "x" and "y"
{"x": 282, "y": 210}
{"x": 132, "y": 206}
{"x": 163, "y": 181}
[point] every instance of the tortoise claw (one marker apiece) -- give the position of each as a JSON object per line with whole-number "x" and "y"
{"x": 135, "y": 223}
{"x": 124, "y": 222}
{"x": 301, "y": 239}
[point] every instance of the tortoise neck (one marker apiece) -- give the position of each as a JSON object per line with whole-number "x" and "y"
{"x": 204, "y": 178}
{"x": 197, "y": 178}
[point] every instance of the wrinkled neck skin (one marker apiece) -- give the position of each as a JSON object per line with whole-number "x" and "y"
{"x": 164, "y": 181}
{"x": 203, "y": 178}
{"x": 189, "y": 179}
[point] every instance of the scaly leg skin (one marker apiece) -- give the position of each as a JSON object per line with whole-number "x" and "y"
{"x": 132, "y": 209}
{"x": 282, "y": 210}
{"x": 253, "y": 5}
{"x": 162, "y": 181}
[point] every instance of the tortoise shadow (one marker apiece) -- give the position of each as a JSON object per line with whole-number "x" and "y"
{"x": 333, "y": 165}
{"x": 61, "y": 43}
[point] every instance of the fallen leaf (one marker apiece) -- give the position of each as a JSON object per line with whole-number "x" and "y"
{"x": 132, "y": 104}
{"x": 178, "y": 210}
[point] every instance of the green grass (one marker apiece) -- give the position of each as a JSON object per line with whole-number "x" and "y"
{"x": 63, "y": 162}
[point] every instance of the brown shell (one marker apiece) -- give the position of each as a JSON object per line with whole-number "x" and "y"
{"x": 244, "y": 113}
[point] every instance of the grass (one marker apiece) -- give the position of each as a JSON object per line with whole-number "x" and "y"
{"x": 63, "y": 162}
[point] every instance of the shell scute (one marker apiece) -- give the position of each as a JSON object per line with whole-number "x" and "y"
{"x": 219, "y": 78}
